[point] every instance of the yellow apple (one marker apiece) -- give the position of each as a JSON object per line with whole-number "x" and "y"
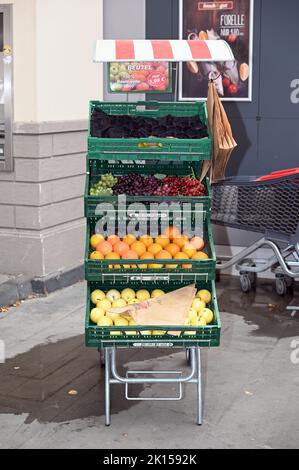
{"x": 121, "y": 322}
{"x": 120, "y": 303}
{"x": 113, "y": 295}
{"x": 204, "y": 295}
{"x": 157, "y": 293}
{"x": 198, "y": 305}
{"x": 207, "y": 315}
{"x": 192, "y": 315}
{"x": 105, "y": 321}
{"x": 128, "y": 295}
{"x": 96, "y": 296}
{"x": 104, "y": 304}
{"x": 96, "y": 314}
{"x": 143, "y": 295}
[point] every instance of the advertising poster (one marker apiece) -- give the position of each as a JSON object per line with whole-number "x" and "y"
{"x": 231, "y": 21}
{"x": 139, "y": 77}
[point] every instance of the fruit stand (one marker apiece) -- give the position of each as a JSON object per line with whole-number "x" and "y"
{"x": 143, "y": 164}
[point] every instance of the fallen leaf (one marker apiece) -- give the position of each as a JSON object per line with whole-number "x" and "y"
{"x": 73, "y": 392}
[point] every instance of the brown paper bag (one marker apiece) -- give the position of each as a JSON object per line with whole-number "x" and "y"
{"x": 223, "y": 140}
{"x": 169, "y": 309}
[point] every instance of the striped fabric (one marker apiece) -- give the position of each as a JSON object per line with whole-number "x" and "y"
{"x": 158, "y": 50}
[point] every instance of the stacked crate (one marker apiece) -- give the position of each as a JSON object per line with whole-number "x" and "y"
{"x": 149, "y": 157}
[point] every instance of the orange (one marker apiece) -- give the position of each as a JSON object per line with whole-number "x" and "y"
{"x": 181, "y": 241}
{"x": 146, "y": 240}
{"x": 114, "y": 266}
{"x": 113, "y": 239}
{"x": 172, "y": 248}
{"x": 130, "y": 254}
{"x": 139, "y": 248}
{"x": 96, "y": 255}
{"x": 198, "y": 243}
{"x": 129, "y": 239}
{"x": 163, "y": 255}
{"x": 112, "y": 255}
{"x": 163, "y": 241}
{"x": 145, "y": 255}
{"x": 189, "y": 250}
{"x": 105, "y": 248}
{"x": 95, "y": 240}
{"x": 154, "y": 249}
{"x": 121, "y": 248}
{"x": 171, "y": 233}
{"x": 182, "y": 256}
{"x": 200, "y": 255}
{"x": 155, "y": 266}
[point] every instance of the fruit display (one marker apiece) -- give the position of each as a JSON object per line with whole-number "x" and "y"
{"x": 138, "y": 185}
{"x": 104, "y": 125}
{"x": 199, "y": 314}
{"x": 170, "y": 245}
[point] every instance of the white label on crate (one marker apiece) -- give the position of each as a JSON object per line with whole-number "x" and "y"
{"x": 149, "y": 278}
{"x": 153, "y": 345}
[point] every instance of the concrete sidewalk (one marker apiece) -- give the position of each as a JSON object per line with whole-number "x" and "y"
{"x": 251, "y": 384}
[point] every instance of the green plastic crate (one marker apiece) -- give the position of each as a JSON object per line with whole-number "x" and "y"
{"x": 111, "y": 271}
{"x": 149, "y": 148}
{"x": 97, "y": 168}
{"x": 102, "y": 337}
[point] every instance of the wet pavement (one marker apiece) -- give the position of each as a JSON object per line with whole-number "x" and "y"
{"x": 52, "y": 390}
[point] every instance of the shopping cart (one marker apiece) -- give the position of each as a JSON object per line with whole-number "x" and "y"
{"x": 267, "y": 205}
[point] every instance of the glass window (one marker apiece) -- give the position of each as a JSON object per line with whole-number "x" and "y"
{"x": 6, "y": 59}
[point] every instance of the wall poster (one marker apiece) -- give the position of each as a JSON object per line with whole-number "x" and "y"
{"x": 231, "y": 21}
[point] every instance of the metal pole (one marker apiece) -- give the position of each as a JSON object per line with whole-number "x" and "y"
{"x": 199, "y": 389}
{"x": 107, "y": 387}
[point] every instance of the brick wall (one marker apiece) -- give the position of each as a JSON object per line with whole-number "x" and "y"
{"x": 42, "y": 226}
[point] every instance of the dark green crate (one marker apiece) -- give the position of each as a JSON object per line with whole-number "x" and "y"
{"x": 102, "y": 337}
{"x": 97, "y": 168}
{"x": 110, "y": 271}
{"x": 149, "y": 148}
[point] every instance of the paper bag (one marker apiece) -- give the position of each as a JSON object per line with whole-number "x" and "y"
{"x": 169, "y": 309}
{"x": 223, "y": 141}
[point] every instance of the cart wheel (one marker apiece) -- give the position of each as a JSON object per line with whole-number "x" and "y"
{"x": 245, "y": 282}
{"x": 281, "y": 286}
{"x": 102, "y": 357}
{"x": 290, "y": 282}
{"x": 188, "y": 357}
{"x": 253, "y": 278}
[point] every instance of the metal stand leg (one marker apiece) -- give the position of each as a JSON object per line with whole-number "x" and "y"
{"x": 107, "y": 387}
{"x": 199, "y": 389}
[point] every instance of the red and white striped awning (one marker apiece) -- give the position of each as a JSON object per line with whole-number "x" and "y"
{"x": 158, "y": 50}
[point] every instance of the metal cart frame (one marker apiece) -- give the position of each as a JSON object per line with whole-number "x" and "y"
{"x": 112, "y": 377}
